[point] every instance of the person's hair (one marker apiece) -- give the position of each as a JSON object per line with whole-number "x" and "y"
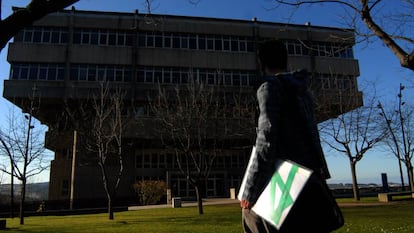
{"x": 273, "y": 54}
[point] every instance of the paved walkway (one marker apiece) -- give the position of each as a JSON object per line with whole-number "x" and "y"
{"x": 208, "y": 201}
{"x": 222, "y": 201}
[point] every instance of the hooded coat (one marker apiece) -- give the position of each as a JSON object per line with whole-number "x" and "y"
{"x": 286, "y": 129}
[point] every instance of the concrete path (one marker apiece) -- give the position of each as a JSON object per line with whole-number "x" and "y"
{"x": 208, "y": 201}
{"x": 222, "y": 201}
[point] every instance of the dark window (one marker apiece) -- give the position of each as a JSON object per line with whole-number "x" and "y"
{"x": 219, "y": 44}
{"x": 210, "y": 44}
{"x": 77, "y": 37}
{"x": 201, "y": 42}
{"x": 158, "y": 40}
{"x": 28, "y": 34}
{"x": 234, "y": 45}
{"x": 138, "y": 161}
{"x": 193, "y": 43}
{"x": 52, "y": 72}
{"x": 226, "y": 45}
{"x": 176, "y": 76}
{"x": 140, "y": 76}
{"x": 110, "y": 74}
{"x": 33, "y": 72}
{"x": 112, "y": 39}
{"x": 184, "y": 42}
{"x": 55, "y": 37}
{"x": 103, "y": 39}
{"x": 236, "y": 80}
{"x": 242, "y": 46}
{"x": 61, "y": 73}
{"x": 101, "y": 73}
{"x": 128, "y": 40}
{"x": 74, "y": 72}
{"x": 150, "y": 40}
{"x": 227, "y": 79}
{"x": 250, "y": 46}
{"x": 83, "y": 72}
{"x": 176, "y": 42}
{"x": 127, "y": 75}
{"x": 94, "y": 37}
{"x": 37, "y": 36}
{"x": 121, "y": 39}
{"x": 19, "y": 36}
{"x": 184, "y": 77}
{"x": 46, "y": 37}
{"x": 148, "y": 76}
{"x": 64, "y": 37}
{"x": 244, "y": 79}
{"x": 167, "y": 76}
{"x": 291, "y": 48}
{"x": 210, "y": 79}
{"x": 158, "y": 76}
{"x": 141, "y": 40}
{"x": 85, "y": 38}
{"x": 43, "y": 72}
{"x": 92, "y": 74}
{"x": 24, "y": 73}
{"x": 119, "y": 74}
{"x": 167, "y": 41}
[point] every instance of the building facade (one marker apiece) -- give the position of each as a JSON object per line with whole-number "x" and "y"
{"x": 64, "y": 56}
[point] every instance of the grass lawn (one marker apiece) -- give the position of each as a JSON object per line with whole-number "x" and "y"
{"x": 394, "y": 217}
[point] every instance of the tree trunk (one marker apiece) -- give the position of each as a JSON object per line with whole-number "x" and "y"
{"x": 199, "y": 200}
{"x": 401, "y": 174}
{"x": 22, "y": 199}
{"x": 12, "y": 191}
{"x": 110, "y": 209}
{"x": 410, "y": 175}
{"x": 355, "y": 188}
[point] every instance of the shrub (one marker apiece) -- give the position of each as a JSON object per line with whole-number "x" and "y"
{"x": 150, "y": 192}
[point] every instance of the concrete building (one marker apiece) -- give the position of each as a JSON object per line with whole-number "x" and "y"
{"x": 63, "y": 57}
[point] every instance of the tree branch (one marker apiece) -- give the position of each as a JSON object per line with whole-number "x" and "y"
{"x": 24, "y": 17}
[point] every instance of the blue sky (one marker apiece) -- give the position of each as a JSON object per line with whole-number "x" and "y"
{"x": 377, "y": 63}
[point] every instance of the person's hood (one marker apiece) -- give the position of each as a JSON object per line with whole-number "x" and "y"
{"x": 296, "y": 81}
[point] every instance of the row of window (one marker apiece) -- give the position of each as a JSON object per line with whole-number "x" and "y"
{"x": 48, "y": 35}
{"x": 195, "y": 41}
{"x": 329, "y": 81}
{"x": 169, "y": 161}
{"x": 183, "y": 75}
{"x": 149, "y": 39}
{"x": 113, "y": 73}
{"x": 42, "y": 71}
{"x": 321, "y": 49}
{"x": 154, "y": 75}
{"x": 216, "y": 184}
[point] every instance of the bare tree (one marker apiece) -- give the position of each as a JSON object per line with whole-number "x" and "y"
{"x": 400, "y": 124}
{"x": 102, "y": 128}
{"x": 354, "y": 134}
{"x": 392, "y": 27}
{"x": 195, "y": 120}
{"x": 23, "y": 144}
{"x": 24, "y": 17}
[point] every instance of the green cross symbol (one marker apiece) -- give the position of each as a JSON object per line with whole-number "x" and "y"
{"x": 286, "y": 200}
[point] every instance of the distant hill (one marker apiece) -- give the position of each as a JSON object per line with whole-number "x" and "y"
{"x": 34, "y": 191}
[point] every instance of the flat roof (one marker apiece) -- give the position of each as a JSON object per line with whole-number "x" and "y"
{"x": 136, "y": 12}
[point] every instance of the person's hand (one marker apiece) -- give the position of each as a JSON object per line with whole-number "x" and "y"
{"x": 244, "y": 204}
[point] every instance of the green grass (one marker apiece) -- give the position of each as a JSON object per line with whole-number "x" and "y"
{"x": 390, "y": 218}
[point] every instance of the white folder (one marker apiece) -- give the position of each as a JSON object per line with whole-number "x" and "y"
{"x": 281, "y": 192}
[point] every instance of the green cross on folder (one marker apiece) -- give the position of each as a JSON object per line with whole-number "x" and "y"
{"x": 286, "y": 200}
